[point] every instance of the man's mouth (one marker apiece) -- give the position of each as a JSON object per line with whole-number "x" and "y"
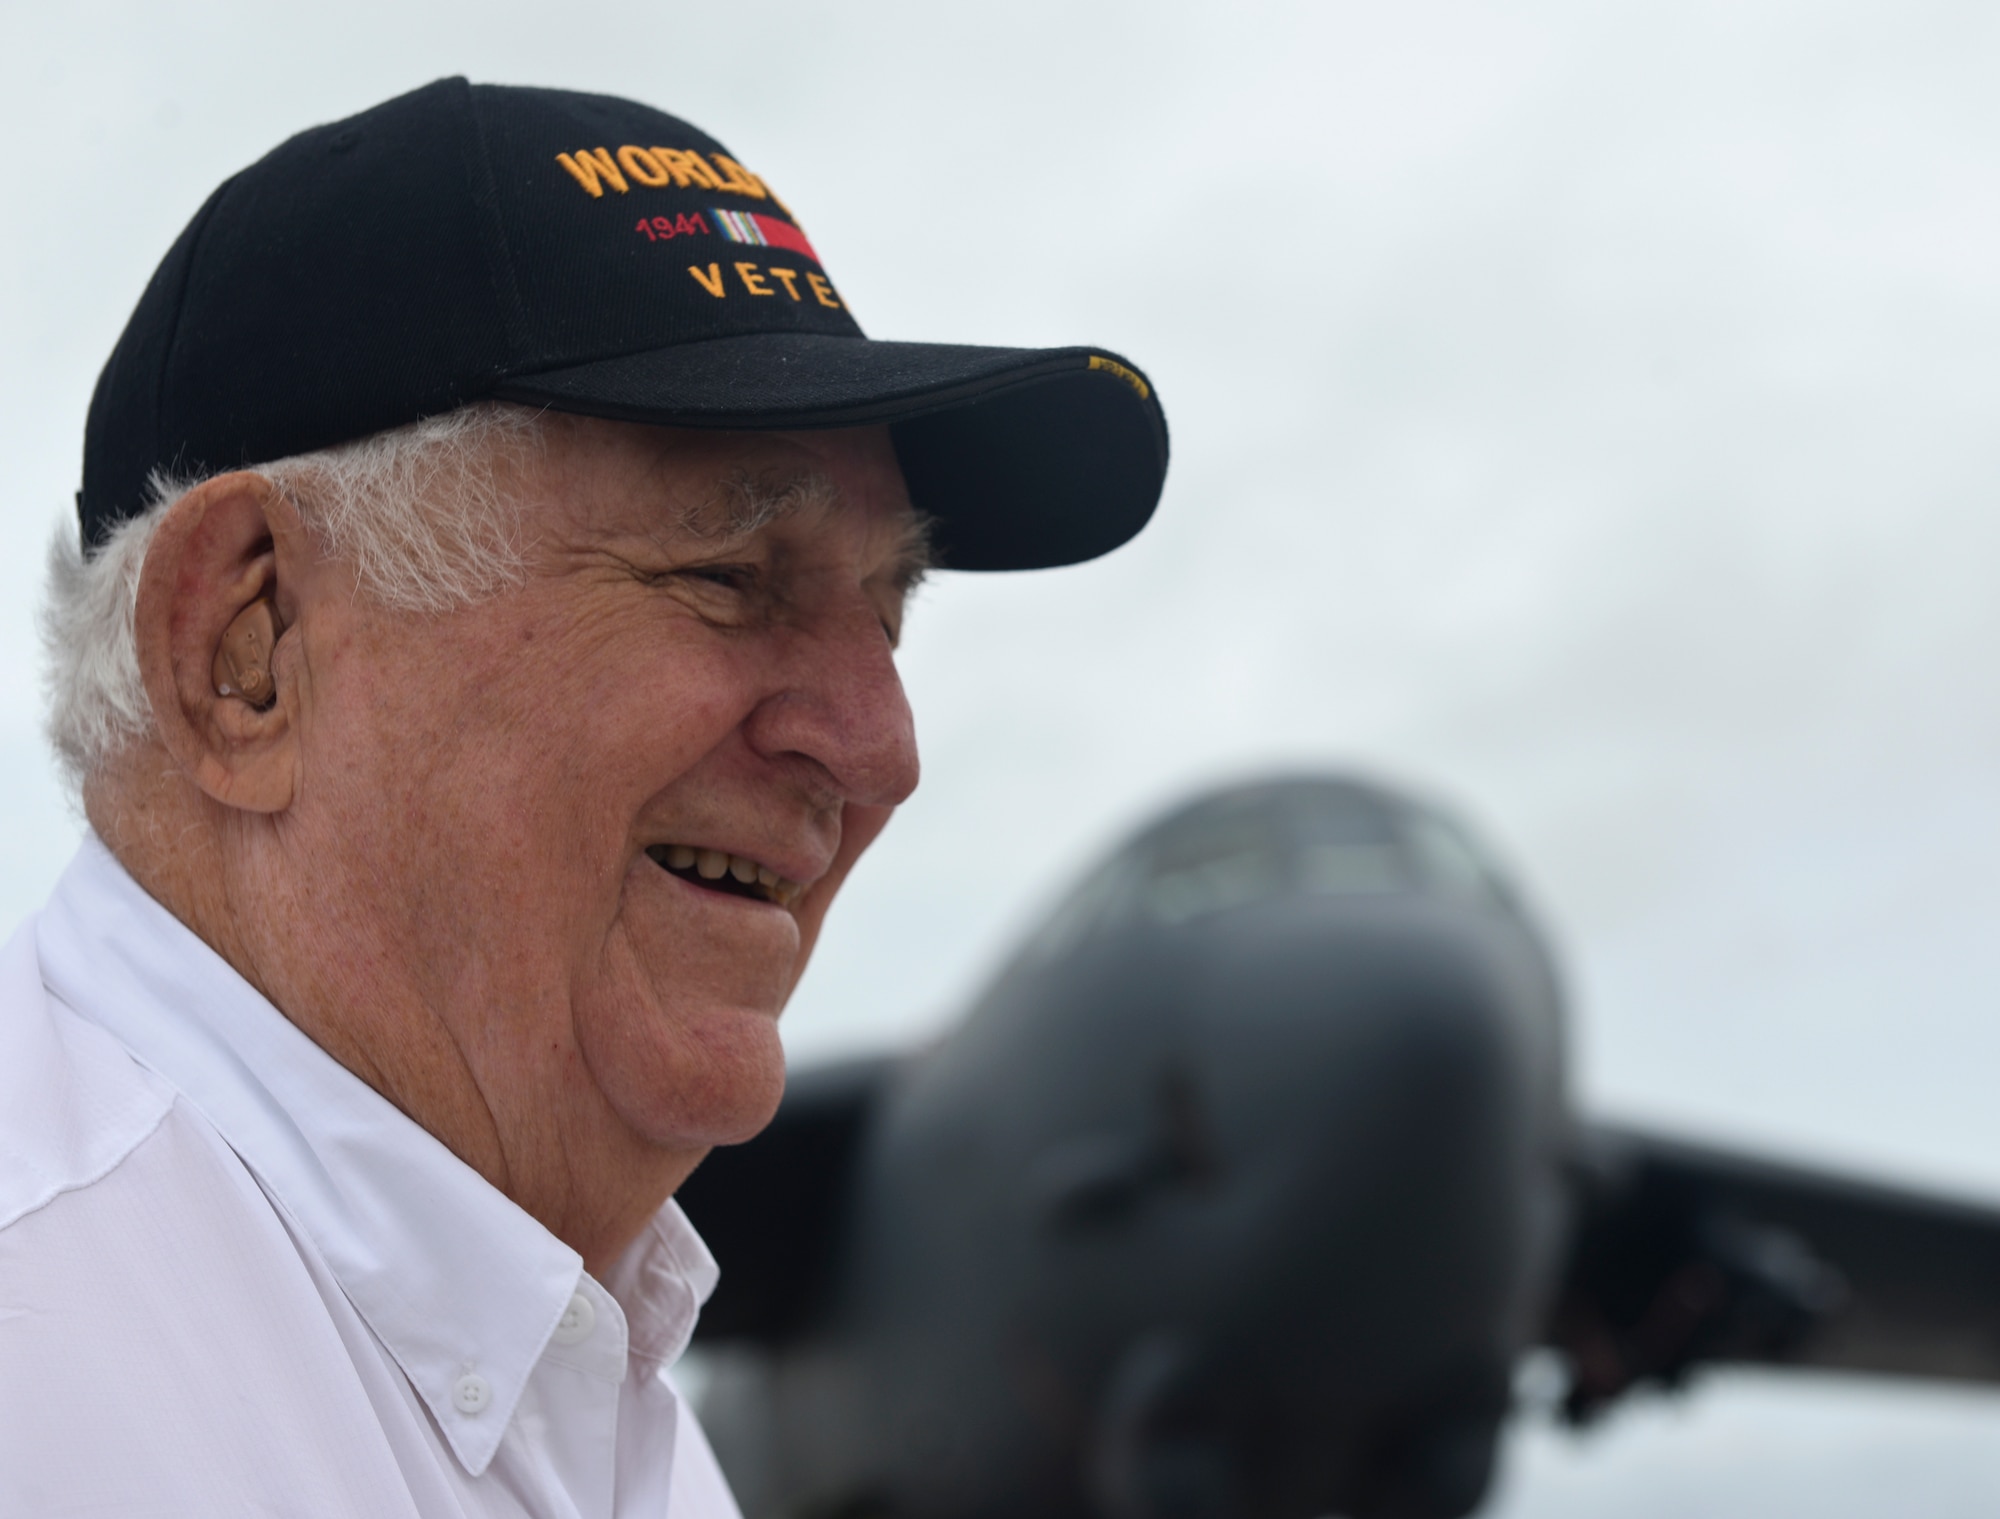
{"x": 730, "y": 874}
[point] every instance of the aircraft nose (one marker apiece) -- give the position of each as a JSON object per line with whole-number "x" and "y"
{"x": 1328, "y": 1173}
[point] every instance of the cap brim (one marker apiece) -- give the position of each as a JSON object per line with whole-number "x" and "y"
{"x": 1025, "y": 458}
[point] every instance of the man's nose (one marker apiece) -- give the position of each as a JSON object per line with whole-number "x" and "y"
{"x": 841, "y": 706}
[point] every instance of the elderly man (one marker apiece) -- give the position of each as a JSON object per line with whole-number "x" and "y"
{"x": 477, "y": 667}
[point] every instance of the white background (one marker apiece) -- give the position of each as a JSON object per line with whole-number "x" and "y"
{"x": 1584, "y": 412}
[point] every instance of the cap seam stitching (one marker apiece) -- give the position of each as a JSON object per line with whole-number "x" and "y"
{"x": 965, "y": 393}
{"x": 198, "y": 232}
{"x": 501, "y": 276}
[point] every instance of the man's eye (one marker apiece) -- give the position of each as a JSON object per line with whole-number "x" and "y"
{"x": 731, "y": 577}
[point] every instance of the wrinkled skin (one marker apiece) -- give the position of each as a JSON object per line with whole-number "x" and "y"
{"x": 429, "y": 850}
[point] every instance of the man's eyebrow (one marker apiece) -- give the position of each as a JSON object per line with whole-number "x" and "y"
{"x": 915, "y": 554}
{"x": 744, "y": 503}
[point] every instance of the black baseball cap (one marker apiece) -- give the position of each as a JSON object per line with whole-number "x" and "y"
{"x": 589, "y": 254}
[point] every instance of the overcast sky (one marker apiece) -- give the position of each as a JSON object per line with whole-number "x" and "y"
{"x": 1583, "y": 412}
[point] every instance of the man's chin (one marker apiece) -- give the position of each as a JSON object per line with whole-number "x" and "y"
{"x": 699, "y": 1077}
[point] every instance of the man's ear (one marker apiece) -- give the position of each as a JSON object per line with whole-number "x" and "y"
{"x": 218, "y": 597}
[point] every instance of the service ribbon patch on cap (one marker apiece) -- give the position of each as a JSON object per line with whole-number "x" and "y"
{"x": 762, "y": 231}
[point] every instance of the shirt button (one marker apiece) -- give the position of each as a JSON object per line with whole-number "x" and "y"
{"x": 471, "y": 1393}
{"x": 574, "y": 1327}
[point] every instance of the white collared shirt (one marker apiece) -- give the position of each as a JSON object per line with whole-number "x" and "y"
{"x": 235, "y": 1280}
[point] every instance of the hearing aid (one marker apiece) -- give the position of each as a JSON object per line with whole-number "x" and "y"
{"x": 243, "y": 657}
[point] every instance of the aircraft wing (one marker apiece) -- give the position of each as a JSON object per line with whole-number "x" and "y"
{"x": 1684, "y": 1255}
{"x": 772, "y": 1210}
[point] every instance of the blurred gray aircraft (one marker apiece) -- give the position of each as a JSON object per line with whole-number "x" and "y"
{"x": 1242, "y": 1194}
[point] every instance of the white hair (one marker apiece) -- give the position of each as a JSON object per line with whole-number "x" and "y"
{"x": 421, "y": 512}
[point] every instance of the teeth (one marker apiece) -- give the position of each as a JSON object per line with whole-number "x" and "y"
{"x": 714, "y": 864}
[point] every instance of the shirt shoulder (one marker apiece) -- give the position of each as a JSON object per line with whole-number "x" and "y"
{"x": 73, "y": 1102}
{"x": 163, "y": 1349}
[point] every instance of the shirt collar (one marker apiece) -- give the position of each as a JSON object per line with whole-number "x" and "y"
{"x": 451, "y": 1276}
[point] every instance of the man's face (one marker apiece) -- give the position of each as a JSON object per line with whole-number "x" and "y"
{"x": 501, "y": 801}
